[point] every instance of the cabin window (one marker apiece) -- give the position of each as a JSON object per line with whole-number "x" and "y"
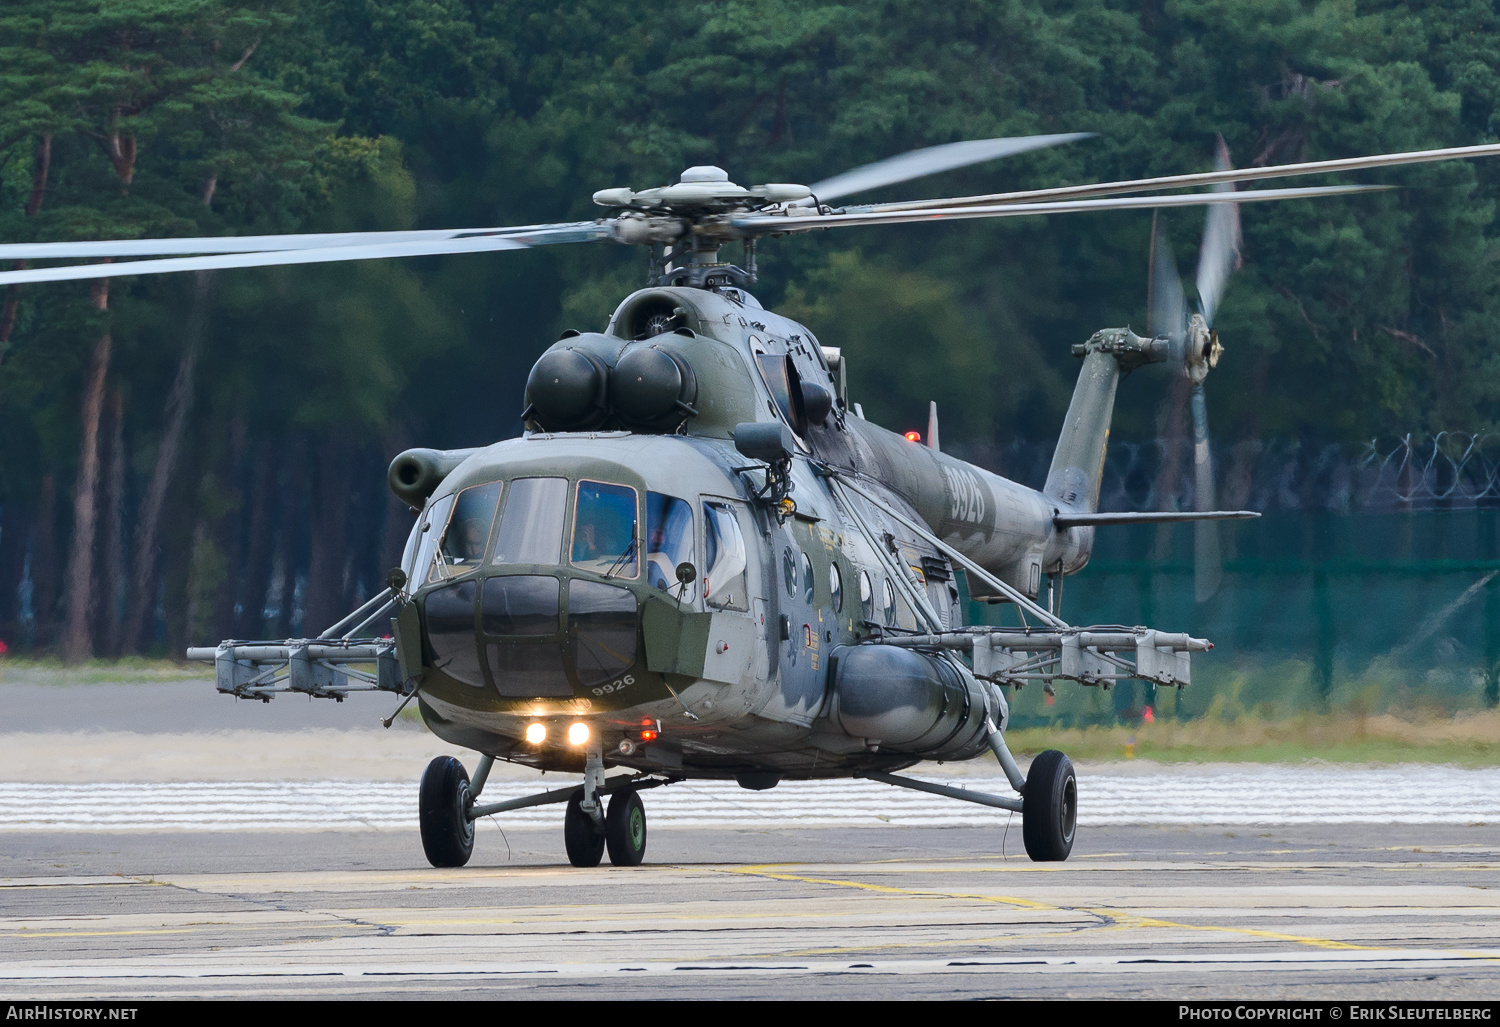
{"x": 468, "y": 531}
{"x": 808, "y": 585}
{"x": 669, "y": 542}
{"x": 836, "y": 587}
{"x": 531, "y": 527}
{"x": 604, "y": 538}
{"x": 888, "y": 608}
{"x": 724, "y": 555}
{"x": 789, "y": 571}
{"x": 866, "y": 596}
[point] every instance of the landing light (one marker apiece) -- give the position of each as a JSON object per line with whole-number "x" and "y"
{"x": 536, "y": 734}
{"x": 578, "y": 733}
{"x": 913, "y": 436}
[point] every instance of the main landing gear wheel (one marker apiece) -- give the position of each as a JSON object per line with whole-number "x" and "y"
{"x": 1049, "y": 808}
{"x": 584, "y": 840}
{"x": 447, "y": 831}
{"x": 625, "y": 829}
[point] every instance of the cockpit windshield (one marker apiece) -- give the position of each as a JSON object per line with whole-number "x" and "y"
{"x": 531, "y": 527}
{"x": 669, "y": 543}
{"x": 604, "y": 536}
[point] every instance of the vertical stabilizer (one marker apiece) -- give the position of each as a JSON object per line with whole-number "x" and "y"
{"x": 1078, "y": 463}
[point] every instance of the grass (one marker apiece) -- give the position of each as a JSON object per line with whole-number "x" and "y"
{"x": 131, "y": 670}
{"x": 1225, "y": 732}
{"x": 1465, "y": 739}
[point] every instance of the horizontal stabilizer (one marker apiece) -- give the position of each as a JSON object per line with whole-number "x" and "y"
{"x": 1083, "y": 520}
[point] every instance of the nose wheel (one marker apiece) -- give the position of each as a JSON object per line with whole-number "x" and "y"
{"x": 625, "y": 829}
{"x": 623, "y": 833}
{"x": 581, "y": 834}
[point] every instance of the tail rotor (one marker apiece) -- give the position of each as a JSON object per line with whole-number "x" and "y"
{"x": 1196, "y": 345}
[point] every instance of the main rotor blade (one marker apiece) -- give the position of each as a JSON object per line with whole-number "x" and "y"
{"x": 327, "y": 254}
{"x": 1208, "y": 564}
{"x": 780, "y": 224}
{"x": 1321, "y": 167}
{"x": 930, "y": 161}
{"x": 259, "y": 243}
{"x": 1219, "y": 254}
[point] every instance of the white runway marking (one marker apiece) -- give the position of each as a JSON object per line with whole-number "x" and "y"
{"x": 306, "y": 961}
{"x": 1269, "y": 795}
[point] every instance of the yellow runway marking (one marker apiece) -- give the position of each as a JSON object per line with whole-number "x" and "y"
{"x": 1112, "y": 918}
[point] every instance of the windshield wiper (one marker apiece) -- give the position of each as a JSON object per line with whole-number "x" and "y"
{"x": 620, "y": 560}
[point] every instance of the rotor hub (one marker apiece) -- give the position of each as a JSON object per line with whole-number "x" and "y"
{"x": 1203, "y": 349}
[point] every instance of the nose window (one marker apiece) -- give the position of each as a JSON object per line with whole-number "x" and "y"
{"x": 520, "y": 604}
{"x": 531, "y": 526}
{"x": 604, "y": 538}
{"x": 468, "y": 530}
{"x": 602, "y": 629}
{"x": 450, "y": 632}
{"x": 669, "y": 542}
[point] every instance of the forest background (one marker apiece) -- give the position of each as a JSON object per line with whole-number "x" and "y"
{"x": 188, "y": 458}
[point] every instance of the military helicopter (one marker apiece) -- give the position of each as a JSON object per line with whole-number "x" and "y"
{"x": 700, "y": 560}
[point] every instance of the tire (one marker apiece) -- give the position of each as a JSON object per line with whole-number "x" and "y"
{"x": 444, "y": 801}
{"x": 584, "y": 841}
{"x": 625, "y": 829}
{"x": 1049, "y": 808}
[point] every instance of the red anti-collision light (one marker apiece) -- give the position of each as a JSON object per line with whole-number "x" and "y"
{"x": 913, "y": 436}
{"x": 647, "y": 735}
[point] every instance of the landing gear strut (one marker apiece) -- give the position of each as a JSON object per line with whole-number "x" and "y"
{"x": 449, "y": 808}
{"x": 1048, "y": 804}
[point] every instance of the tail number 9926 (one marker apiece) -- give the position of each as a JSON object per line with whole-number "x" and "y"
{"x": 615, "y": 686}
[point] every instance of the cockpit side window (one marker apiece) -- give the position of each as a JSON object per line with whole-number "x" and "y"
{"x": 669, "y": 543}
{"x": 724, "y": 558}
{"x": 531, "y": 526}
{"x": 604, "y": 535}
{"x": 429, "y": 531}
{"x": 468, "y": 532}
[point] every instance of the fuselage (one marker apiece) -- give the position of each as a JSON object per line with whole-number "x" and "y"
{"x": 639, "y": 580}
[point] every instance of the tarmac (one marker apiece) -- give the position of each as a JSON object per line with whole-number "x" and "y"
{"x": 859, "y": 913}
{"x": 1367, "y": 896}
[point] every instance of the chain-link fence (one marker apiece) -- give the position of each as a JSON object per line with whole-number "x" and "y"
{"x": 1372, "y": 582}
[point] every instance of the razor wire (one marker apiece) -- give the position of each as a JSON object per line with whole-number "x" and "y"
{"x": 1445, "y": 470}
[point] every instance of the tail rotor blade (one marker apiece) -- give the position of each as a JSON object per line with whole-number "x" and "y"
{"x": 1208, "y": 563}
{"x": 1220, "y": 253}
{"x": 1167, "y": 313}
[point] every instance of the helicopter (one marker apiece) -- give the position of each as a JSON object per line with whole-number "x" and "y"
{"x": 700, "y": 560}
